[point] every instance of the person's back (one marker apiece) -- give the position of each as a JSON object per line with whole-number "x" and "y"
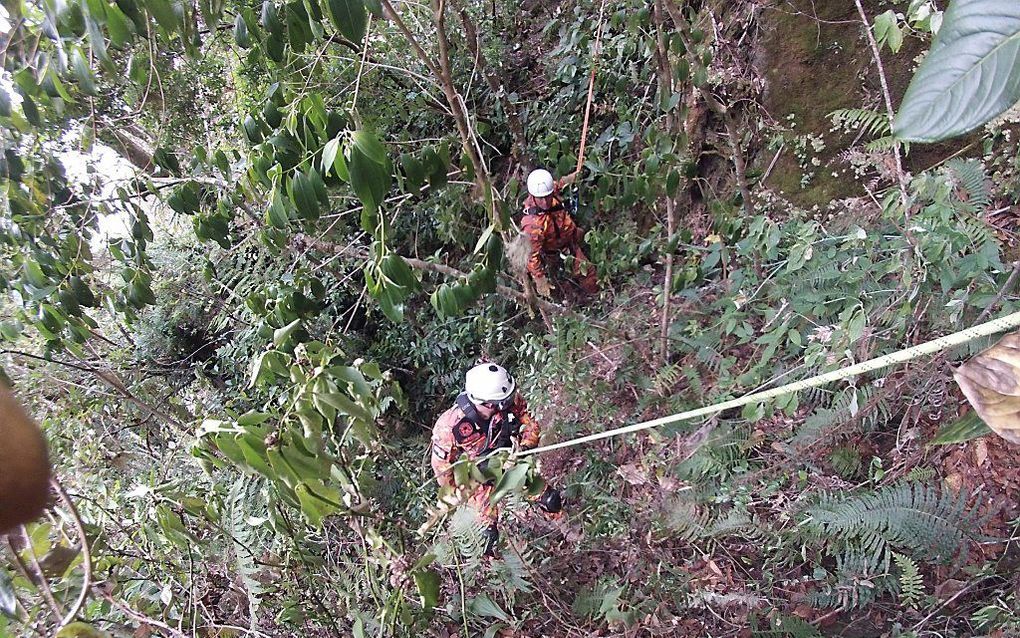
{"x": 551, "y": 230}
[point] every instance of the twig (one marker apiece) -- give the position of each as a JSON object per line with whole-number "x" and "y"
{"x": 44, "y": 584}
{"x": 1006, "y": 288}
{"x": 963, "y": 591}
{"x": 140, "y": 617}
{"x": 85, "y": 552}
{"x": 900, "y": 175}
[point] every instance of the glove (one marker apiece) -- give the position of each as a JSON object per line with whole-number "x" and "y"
{"x": 543, "y": 288}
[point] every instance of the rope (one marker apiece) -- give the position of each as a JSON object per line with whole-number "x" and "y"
{"x": 937, "y": 345}
{"x": 591, "y": 86}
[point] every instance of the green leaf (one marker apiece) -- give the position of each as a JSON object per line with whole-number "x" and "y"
{"x": 969, "y": 426}
{"x": 512, "y": 479}
{"x": 970, "y": 76}
{"x": 370, "y": 145}
{"x": 414, "y": 171}
{"x": 241, "y": 37}
{"x": 249, "y": 419}
{"x": 318, "y": 500}
{"x": 397, "y": 271}
{"x": 166, "y": 14}
{"x": 82, "y": 73}
{"x": 349, "y": 17}
{"x": 483, "y": 606}
{"x": 119, "y": 25}
{"x": 887, "y": 31}
{"x": 34, "y": 275}
{"x": 80, "y": 630}
{"x": 282, "y": 335}
{"x": 392, "y": 308}
{"x": 329, "y": 153}
{"x": 427, "y": 583}
{"x": 276, "y": 214}
{"x": 369, "y": 179}
{"x": 344, "y": 405}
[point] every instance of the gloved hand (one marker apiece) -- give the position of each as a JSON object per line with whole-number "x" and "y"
{"x": 543, "y": 288}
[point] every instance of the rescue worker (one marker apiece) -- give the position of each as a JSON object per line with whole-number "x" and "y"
{"x": 552, "y": 230}
{"x": 489, "y": 415}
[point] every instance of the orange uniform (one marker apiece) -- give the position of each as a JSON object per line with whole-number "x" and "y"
{"x": 552, "y": 230}
{"x": 454, "y": 435}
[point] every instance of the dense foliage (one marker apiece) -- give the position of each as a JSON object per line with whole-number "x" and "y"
{"x": 249, "y": 250}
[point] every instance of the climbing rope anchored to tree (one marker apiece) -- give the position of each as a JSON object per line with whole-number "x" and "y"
{"x": 548, "y": 228}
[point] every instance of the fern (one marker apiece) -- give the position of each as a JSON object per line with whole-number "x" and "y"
{"x": 724, "y": 450}
{"x": 871, "y": 122}
{"x": 885, "y": 143}
{"x": 784, "y": 626}
{"x": 972, "y": 182}
{"x": 245, "y": 538}
{"x": 911, "y": 583}
{"x": 921, "y": 474}
{"x": 859, "y": 580}
{"x": 911, "y": 518}
{"x": 465, "y": 536}
{"x": 665, "y": 379}
{"x": 690, "y": 522}
{"x": 846, "y": 461}
{"x": 686, "y": 520}
{"x": 510, "y": 574}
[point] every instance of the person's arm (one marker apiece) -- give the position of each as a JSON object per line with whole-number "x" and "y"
{"x": 24, "y": 465}
{"x": 567, "y": 180}
{"x": 445, "y": 452}
{"x": 535, "y": 232}
{"x": 531, "y": 430}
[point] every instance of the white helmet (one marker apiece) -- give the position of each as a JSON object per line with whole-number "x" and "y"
{"x": 488, "y": 382}
{"x": 540, "y": 183}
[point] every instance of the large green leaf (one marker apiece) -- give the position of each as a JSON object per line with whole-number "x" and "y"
{"x": 369, "y": 179}
{"x": 428, "y": 584}
{"x": 512, "y": 480}
{"x": 971, "y": 74}
{"x": 969, "y": 426}
{"x": 349, "y": 17}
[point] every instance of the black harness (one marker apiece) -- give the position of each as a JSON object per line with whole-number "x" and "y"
{"x": 502, "y": 437}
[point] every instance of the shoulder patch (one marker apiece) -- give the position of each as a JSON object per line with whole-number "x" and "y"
{"x": 463, "y": 431}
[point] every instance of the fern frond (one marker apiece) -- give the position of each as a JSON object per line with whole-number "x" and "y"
{"x": 245, "y": 538}
{"x": 846, "y": 461}
{"x": 911, "y": 583}
{"x": 510, "y": 574}
{"x": 686, "y": 520}
{"x": 972, "y": 181}
{"x": 871, "y": 122}
{"x": 885, "y": 143}
{"x": 784, "y": 626}
{"x": 467, "y": 531}
{"x": 666, "y": 378}
{"x": 915, "y": 519}
{"x": 921, "y": 474}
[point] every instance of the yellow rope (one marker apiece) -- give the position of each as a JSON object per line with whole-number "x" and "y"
{"x": 937, "y": 345}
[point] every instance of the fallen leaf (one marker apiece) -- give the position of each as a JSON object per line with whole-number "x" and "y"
{"x": 946, "y": 589}
{"x": 633, "y": 474}
{"x": 991, "y": 383}
{"x": 980, "y": 452}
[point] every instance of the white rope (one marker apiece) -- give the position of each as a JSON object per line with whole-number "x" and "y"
{"x": 937, "y": 345}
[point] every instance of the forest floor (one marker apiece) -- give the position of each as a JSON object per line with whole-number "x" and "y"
{"x": 814, "y": 60}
